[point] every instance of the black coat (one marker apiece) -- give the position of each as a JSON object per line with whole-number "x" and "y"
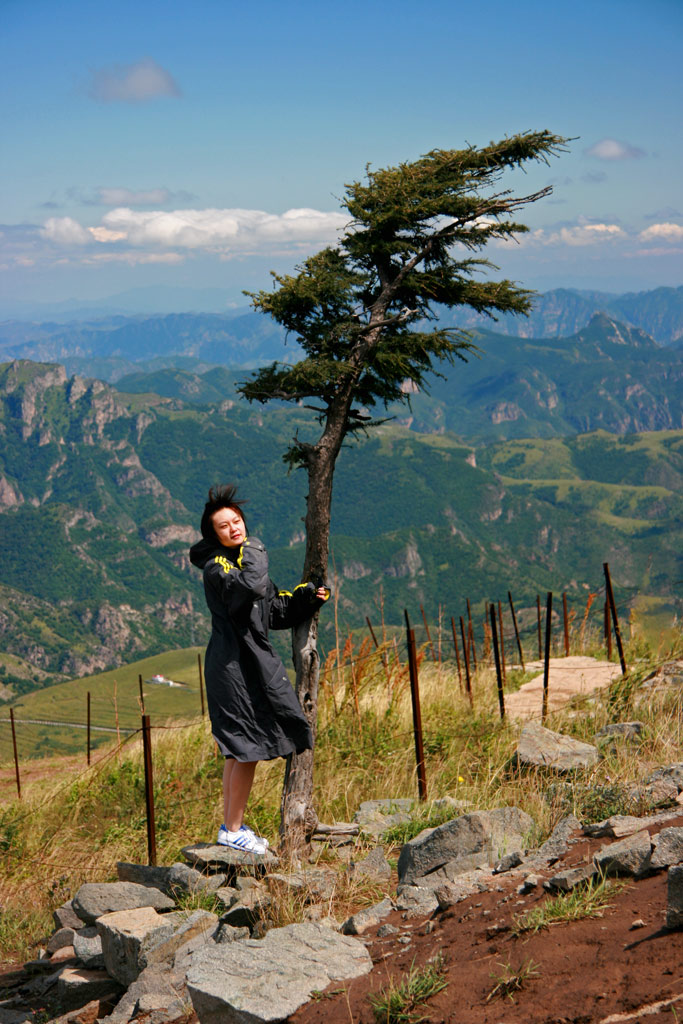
{"x": 255, "y": 713}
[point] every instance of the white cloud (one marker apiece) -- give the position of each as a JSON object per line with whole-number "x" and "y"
{"x": 574, "y": 235}
{"x": 237, "y": 229}
{"x": 612, "y": 149}
{"x": 64, "y": 231}
{"x": 662, "y": 233}
{"x": 132, "y": 83}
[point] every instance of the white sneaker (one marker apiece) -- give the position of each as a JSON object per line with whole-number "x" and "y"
{"x": 244, "y": 840}
{"x": 259, "y": 839}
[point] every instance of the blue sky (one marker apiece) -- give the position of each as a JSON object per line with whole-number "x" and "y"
{"x": 200, "y": 145}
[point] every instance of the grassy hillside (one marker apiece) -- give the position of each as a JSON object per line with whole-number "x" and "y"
{"x": 100, "y": 494}
{"x": 365, "y": 750}
{"x": 114, "y": 696}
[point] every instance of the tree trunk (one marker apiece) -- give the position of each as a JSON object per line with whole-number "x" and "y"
{"x": 298, "y": 818}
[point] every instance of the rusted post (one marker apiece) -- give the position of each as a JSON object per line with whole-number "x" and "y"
{"x": 502, "y": 641}
{"x": 468, "y": 680}
{"x": 417, "y": 717}
{"x": 149, "y": 790}
{"x": 615, "y": 620}
{"x": 517, "y": 637}
{"x": 429, "y": 635}
{"x": 372, "y": 632}
{"x": 566, "y": 624}
{"x": 88, "y": 727}
{"x": 457, "y": 652}
{"x": 607, "y": 629}
{"x": 470, "y": 634}
{"x": 546, "y": 661}
{"x": 16, "y": 756}
{"x": 496, "y": 655}
{"x": 142, "y": 695}
{"x": 201, "y": 682}
{"x": 538, "y": 620}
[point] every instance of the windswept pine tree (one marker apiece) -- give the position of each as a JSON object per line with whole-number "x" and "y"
{"x": 365, "y": 313}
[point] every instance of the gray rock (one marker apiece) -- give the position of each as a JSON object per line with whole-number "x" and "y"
{"x": 625, "y": 730}
{"x": 375, "y": 866}
{"x": 226, "y": 896}
{"x": 385, "y": 930}
{"x": 618, "y": 826}
{"x": 183, "y": 878}
{"x": 209, "y": 857}
{"x": 539, "y": 747}
{"x": 528, "y": 885}
{"x": 15, "y": 1016}
{"x": 668, "y": 848}
{"x": 66, "y": 917}
{"x": 228, "y": 933}
{"x": 630, "y": 856}
{"x": 557, "y": 843}
{"x": 61, "y": 938}
{"x": 672, "y": 771}
{"x": 198, "y": 925}
{"x": 467, "y": 884}
{"x": 657, "y": 792}
{"x": 97, "y": 898}
{"x": 251, "y": 906}
{"x": 415, "y": 901}
{"x": 367, "y": 918}
{"x": 156, "y": 986}
{"x": 674, "y": 897}
{"x": 376, "y": 816}
{"x": 127, "y": 937}
{"x": 473, "y": 840}
{"x": 77, "y": 986}
{"x": 88, "y": 947}
{"x": 267, "y": 980}
{"x": 309, "y": 884}
{"x": 565, "y": 881}
{"x": 507, "y": 863}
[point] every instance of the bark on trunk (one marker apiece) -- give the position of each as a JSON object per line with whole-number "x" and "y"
{"x": 297, "y": 814}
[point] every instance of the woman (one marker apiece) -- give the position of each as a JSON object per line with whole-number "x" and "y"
{"x": 255, "y": 714}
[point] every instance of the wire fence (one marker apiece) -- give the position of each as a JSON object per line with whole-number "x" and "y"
{"x": 476, "y": 646}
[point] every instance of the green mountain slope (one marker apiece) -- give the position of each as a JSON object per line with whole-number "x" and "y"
{"x": 608, "y": 376}
{"x": 100, "y": 494}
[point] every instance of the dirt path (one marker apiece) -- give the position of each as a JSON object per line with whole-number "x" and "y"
{"x": 567, "y": 678}
{"x": 606, "y": 970}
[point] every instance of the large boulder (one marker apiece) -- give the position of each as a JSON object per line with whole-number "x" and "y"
{"x": 539, "y": 747}
{"x": 668, "y": 848}
{"x": 97, "y": 898}
{"x": 267, "y": 980}
{"x": 674, "y": 905}
{"x": 127, "y": 937}
{"x": 473, "y": 840}
{"x": 630, "y": 856}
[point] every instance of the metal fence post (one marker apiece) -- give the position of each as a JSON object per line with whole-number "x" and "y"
{"x": 16, "y": 756}
{"x": 546, "y": 661}
{"x": 417, "y": 717}
{"x": 149, "y": 791}
{"x": 514, "y": 623}
{"x": 615, "y": 620}
{"x": 496, "y": 655}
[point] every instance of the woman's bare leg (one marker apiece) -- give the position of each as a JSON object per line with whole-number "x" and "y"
{"x": 238, "y": 778}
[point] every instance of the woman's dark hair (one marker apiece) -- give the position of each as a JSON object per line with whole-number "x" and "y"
{"x": 223, "y": 496}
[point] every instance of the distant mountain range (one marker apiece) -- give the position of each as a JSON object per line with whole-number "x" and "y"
{"x": 101, "y": 493}
{"x": 114, "y": 346}
{"x": 607, "y": 376}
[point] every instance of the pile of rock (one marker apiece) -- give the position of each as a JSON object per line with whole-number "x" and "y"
{"x": 132, "y": 948}
{"x": 124, "y": 949}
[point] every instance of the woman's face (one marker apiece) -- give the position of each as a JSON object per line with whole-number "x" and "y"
{"x": 229, "y": 527}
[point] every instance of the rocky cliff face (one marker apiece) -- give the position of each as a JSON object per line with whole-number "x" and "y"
{"x": 94, "y": 543}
